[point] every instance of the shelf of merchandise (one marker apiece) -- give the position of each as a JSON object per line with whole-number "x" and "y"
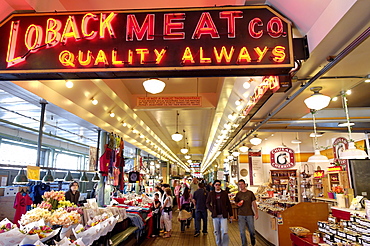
{"x": 285, "y": 180}
{"x": 338, "y": 178}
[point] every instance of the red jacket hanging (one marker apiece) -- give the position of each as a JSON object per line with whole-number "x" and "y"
{"x": 22, "y": 200}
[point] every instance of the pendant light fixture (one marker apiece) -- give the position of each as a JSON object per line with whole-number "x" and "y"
{"x": 184, "y": 150}
{"x": 243, "y": 148}
{"x": 256, "y": 140}
{"x": 83, "y": 177}
{"x": 352, "y": 152}
{"x": 177, "y": 136}
{"x": 95, "y": 178}
{"x": 21, "y": 178}
{"x": 48, "y": 178}
{"x": 317, "y": 157}
{"x": 235, "y": 153}
{"x": 68, "y": 178}
{"x": 317, "y": 100}
{"x": 154, "y": 86}
{"x": 296, "y": 140}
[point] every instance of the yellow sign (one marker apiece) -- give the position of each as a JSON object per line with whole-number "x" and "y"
{"x": 33, "y": 172}
{"x": 334, "y": 169}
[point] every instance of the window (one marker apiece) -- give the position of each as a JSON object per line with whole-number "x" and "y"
{"x": 15, "y": 154}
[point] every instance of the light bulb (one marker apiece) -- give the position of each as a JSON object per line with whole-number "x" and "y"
{"x": 94, "y": 101}
{"x": 69, "y": 84}
{"x": 246, "y": 85}
{"x": 111, "y": 114}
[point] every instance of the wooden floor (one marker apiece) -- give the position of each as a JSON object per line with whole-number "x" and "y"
{"x": 187, "y": 238}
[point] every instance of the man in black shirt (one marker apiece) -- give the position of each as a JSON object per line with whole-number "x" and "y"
{"x": 199, "y": 199}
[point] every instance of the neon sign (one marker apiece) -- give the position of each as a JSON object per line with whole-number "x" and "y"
{"x": 227, "y": 38}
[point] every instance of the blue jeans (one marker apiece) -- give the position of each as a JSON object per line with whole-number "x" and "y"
{"x": 200, "y": 215}
{"x": 249, "y": 221}
{"x": 220, "y": 230}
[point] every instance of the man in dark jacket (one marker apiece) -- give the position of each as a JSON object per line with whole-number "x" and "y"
{"x": 219, "y": 204}
{"x": 199, "y": 200}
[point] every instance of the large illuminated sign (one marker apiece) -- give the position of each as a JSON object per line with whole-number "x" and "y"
{"x": 226, "y": 41}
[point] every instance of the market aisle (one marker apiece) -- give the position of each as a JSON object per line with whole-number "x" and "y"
{"x": 187, "y": 238}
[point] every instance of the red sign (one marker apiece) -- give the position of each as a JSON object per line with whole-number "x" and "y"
{"x": 226, "y": 39}
{"x": 339, "y": 145}
{"x": 282, "y": 158}
{"x": 319, "y": 174}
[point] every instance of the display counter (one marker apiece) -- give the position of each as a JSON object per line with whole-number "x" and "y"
{"x": 275, "y": 229}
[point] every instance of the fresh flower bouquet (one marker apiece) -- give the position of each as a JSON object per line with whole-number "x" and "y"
{"x": 7, "y": 227}
{"x": 338, "y": 189}
{"x": 41, "y": 231}
{"x": 54, "y": 197}
{"x": 64, "y": 218}
{"x": 35, "y": 214}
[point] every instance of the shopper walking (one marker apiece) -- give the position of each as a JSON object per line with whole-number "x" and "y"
{"x": 177, "y": 192}
{"x": 167, "y": 212}
{"x": 156, "y": 215}
{"x": 247, "y": 212}
{"x": 185, "y": 202}
{"x": 199, "y": 200}
{"x": 219, "y": 204}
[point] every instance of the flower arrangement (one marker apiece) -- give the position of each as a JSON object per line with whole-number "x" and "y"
{"x": 35, "y": 214}
{"x": 7, "y": 227}
{"x": 41, "y": 231}
{"x": 54, "y": 197}
{"x": 62, "y": 217}
{"x": 338, "y": 189}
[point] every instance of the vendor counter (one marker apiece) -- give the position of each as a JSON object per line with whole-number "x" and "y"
{"x": 274, "y": 227}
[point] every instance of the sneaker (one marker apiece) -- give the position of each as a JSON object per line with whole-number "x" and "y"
{"x": 205, "y": 233}
{"x": 196, "y": 234}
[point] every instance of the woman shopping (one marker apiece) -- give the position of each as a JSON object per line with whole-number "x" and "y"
{"x": 185, "y": 205}
{"x": 167, "y": 212}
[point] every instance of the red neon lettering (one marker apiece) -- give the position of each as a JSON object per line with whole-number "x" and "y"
{"x": 134, "y": 28}
{"x": 230, "y": 16}
{"x": 223, "y": 53}
{"x": 85, "y": 21}
{"x": 52, "y": 34}
{"x": 10, "y": 57}
{"x": 279, "y": 53}
{"x": 88, "y": 59}
{"x": 106, "y": 24}
{"x": 101, "y": 58}
{"x": 275, "y": 33}
{"x": 244, "y": 55}
{"x": 33, "y": 31}
{"x": 187, "y": 56}
{"x": 202, "y": 58}
{"x": 159, "y": 55}
{"x": 251, "y": 28}
{"x": 114, "y": 58}
{"x": 70, "y": 30}
{"x": 205, "y": 26}
{"x": 169, "y": 26}
{"x": 260, "y": 53}
{"x": 142, "y": 53}
{"x": 130, "y": 57}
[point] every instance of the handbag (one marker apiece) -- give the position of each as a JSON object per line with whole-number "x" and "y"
{"x": 167, "y": 209}
{"x": 184, "y": 215}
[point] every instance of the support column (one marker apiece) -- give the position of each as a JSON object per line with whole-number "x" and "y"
{"x": 39, "y": 141}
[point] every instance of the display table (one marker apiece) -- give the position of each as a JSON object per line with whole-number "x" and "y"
{"x": 302, "y": 241}
{"x": 276, "y": 229}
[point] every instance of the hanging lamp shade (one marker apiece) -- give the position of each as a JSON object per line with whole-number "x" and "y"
{"x": 256, "y": 140}
{"x": 317, "y": 157}
{"x": 21, "y": 178}
{"x": 68, "y": 178}
{"x": 83, "y": 177}
{"x": 176, "y": 137}
{"x": 154, "y": 86}
{"x": 243, "y": 149}
{"x": 187, "y": 157}
{"x": 48, "y": 178}
{"x": 317, "y": 100}
{"x": 184, "y": 150}
{"x": 235, "y": 153}
{"x": 96, "y": 178}
{"x": 353, "y": 153}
